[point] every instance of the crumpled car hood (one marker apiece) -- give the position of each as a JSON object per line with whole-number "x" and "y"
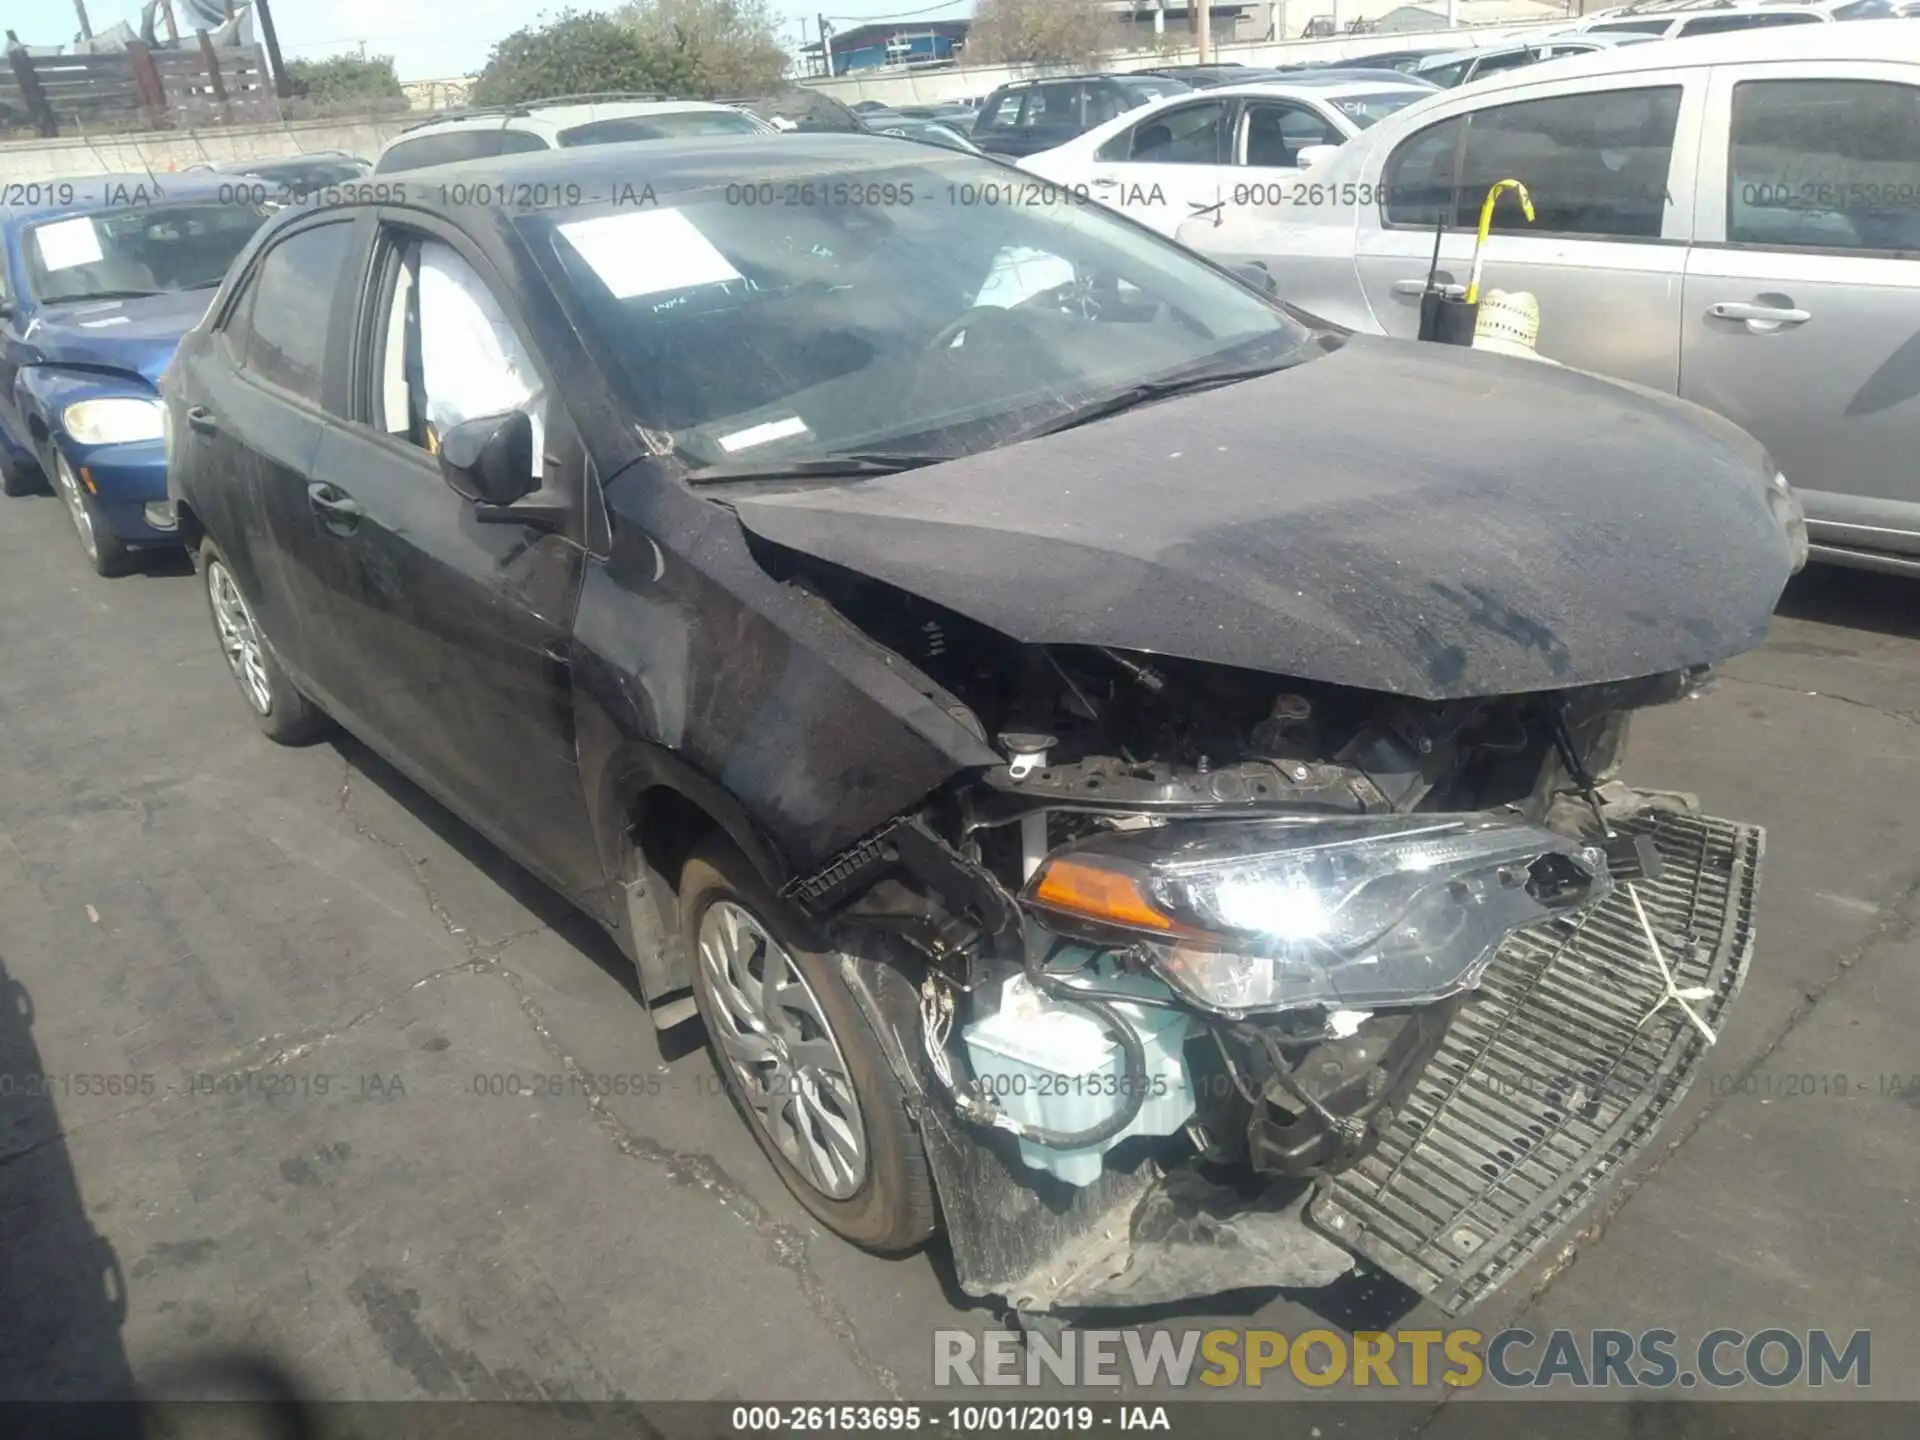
{"x": 138, "y": 336}
{"x": 1418, "y": 519}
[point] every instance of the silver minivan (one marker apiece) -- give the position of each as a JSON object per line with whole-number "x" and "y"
{"x": 1735, "y": 219}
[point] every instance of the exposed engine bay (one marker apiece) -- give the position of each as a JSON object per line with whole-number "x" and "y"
{"x": 1208, "y": 919}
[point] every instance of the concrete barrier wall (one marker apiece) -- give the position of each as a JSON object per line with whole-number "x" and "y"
{"x": 168, "y": 150}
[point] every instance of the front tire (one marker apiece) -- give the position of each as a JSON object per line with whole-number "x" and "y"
{"x": 105, "y": 551}
{"x": 799, "y": 1059}
{"x": 283, "y": 714}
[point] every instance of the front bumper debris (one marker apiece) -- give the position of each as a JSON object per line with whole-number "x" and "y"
{"x": 1558, "y": 1072}
{"x": 1554, "y": 1074}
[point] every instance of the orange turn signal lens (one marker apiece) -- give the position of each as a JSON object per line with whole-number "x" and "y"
{"x": 1093, "y": 891}
{"x": 86, "y": 475}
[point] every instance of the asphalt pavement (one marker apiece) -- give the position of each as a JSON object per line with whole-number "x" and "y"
{"x": 292, "y": 1062}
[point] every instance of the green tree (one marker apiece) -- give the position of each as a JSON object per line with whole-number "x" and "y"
{"x": 581, "y": 53}
{"x": 736, "y": 43}
{"x": 347, "y": 80}
{"x": 1040, "y": 32}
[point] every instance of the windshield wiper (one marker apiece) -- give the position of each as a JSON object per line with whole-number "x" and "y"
{"x": 820, "y": 467}
{"x": 100, "y": 295}
{"x": 1192, "y": 382}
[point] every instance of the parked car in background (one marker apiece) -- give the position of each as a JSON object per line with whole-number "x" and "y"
{"x": 924, "y": 132}
{"x": 286, "y": 179}
{"x": 761, "y": 576}
{"x": 1201, "y": 77}
{"x": 1028, "y": 116}
{"x": 1735, "y": 219}
{"x": 1665, "y": 19}
{"x": 99, "y": 279}
{"x": 1460, "y": 67}
{"x": 1316, "y": 75}
{"x": 954, "y": 114}
{"x": 1233, "y": 145}
{"x": 562, "y": 123}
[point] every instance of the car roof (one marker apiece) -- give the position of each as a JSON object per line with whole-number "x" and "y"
{"x": 1688, "y": 12}
{"x": 1288, "y": 90}
{"x": 692, "y": 163}
{"x": 1563, "y": 37}
{"x": 553, "y": 116}
{"x": 1853, "y": 40}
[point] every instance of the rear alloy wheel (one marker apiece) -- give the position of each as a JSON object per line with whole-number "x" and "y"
{"x": 281, "y": 711}
{"x": 800, "y": 1060}
{"x": 103, "y": 549}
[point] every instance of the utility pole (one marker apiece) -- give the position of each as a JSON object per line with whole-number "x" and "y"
{"x": 1200, "y": 20}
{"x": 272, "y": 37}
{"x": 86, "y": 27}
{"x": 826, "y": 45}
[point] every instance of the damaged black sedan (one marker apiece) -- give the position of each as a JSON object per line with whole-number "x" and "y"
{"x": 1123, "y": 772}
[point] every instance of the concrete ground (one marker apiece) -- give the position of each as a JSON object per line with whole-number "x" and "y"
{"x": 292, "y": 1019}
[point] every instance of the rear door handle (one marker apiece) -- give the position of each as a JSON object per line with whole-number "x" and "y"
{"x": 339, "y": 510}
{"x": 1770, "y": 316}
{"x": 201, "y": 419}
{"x": 1441, "y": 279}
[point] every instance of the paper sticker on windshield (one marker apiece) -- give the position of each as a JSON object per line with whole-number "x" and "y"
{"x": 648, "y": 252}
{"x": 763, "y": 434}
{"x": 67, "y": 243}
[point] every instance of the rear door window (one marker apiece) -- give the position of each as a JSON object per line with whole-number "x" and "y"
{"x": 452, "y": 146}
{"x": 1825, "y": 164}
{"x": 1595, "y": 164}
{"x": 1183, "y": 135}
{"x": 1762, "y": 20}
{"x": 1002, "y": 111}
{"x": 293, "y": 298}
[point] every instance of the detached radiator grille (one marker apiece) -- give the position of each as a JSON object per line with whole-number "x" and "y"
{"x": 1549, "y": 1081}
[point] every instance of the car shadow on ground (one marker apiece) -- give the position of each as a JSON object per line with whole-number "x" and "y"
{"x": 1855, "y": 600}
{"x": 62, "y": 1291}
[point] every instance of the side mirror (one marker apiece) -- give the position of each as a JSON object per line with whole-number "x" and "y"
{"x": 490, "y": 459}
{"x": 1312, "y": 155}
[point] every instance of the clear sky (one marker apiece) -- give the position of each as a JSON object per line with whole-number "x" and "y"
{"x": 433, "y": 39}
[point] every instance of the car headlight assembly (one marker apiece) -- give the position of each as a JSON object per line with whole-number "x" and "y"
{"x": 118, "y": 420}
{"x": 1355, "y": 912}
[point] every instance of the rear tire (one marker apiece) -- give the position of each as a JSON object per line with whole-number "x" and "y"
{"x": 813, "y": 1059}
{"x": 283, "y": 714}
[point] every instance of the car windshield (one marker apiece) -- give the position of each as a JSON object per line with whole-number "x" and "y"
{"x": 137, "y": 249}
{"x": 1365, "y": 110}
{"x": 667, "y": 125}
{"x": 897, "y": 310}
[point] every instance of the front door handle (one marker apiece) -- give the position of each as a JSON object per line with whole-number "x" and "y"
{"x": 337, "y": 510}
{"x": 200, "y": 419}
{"x": 1761, "y": 319}
{"x": 1442, "y": 279}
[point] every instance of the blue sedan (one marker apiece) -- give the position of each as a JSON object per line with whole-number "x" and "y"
{"x": 99, "y": 279}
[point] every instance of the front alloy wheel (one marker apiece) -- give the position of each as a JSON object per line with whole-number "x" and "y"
{"x": 773, "y": 1034}
{"x": 101, "y": 546}
{"x": 800, "y": 1058}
